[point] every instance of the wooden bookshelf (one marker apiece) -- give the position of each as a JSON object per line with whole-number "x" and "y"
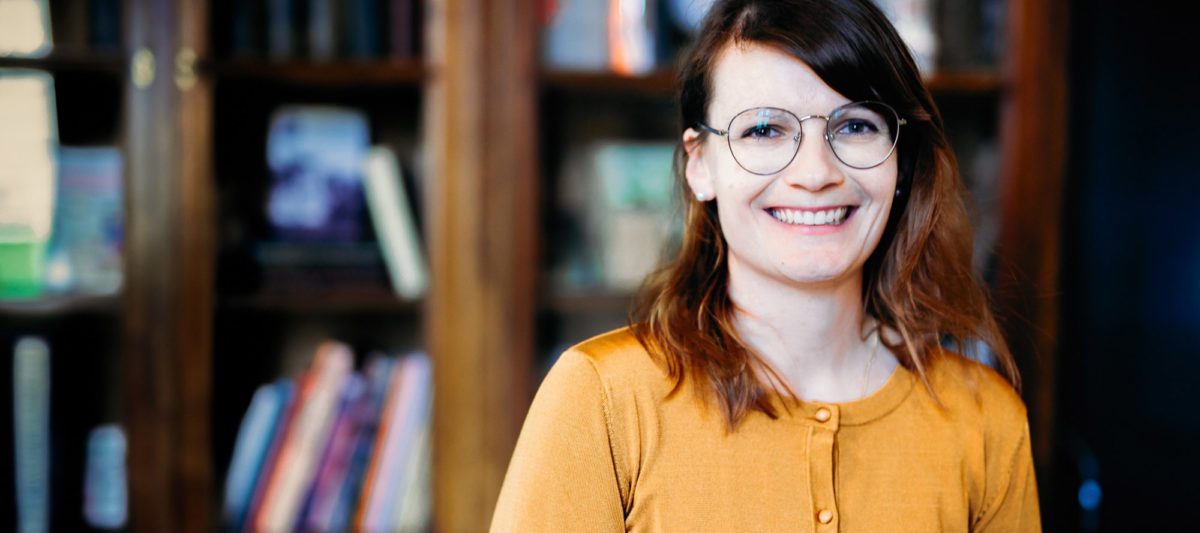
{"x": 477, "y": 94}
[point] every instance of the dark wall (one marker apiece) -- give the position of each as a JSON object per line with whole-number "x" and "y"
{"x": 1130, "y": 345}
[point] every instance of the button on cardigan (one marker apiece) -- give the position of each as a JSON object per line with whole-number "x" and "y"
{"x": 606, "y": 447}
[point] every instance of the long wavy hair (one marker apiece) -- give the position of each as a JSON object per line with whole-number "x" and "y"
{"x": 918, "y": 282}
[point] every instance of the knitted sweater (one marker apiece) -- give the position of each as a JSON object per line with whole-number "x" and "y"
{"x": 606, "y": 447}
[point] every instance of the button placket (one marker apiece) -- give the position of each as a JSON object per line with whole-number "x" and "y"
{"x": 825, "y": 420}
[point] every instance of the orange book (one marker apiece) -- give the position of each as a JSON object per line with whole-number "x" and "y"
{"x": 371, "y": 479}
{"x": 310, "y": 429}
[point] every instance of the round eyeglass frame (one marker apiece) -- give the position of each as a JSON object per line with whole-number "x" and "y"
{"x": 800, "y": 134}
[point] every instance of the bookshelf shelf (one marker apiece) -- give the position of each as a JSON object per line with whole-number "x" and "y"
{"x": 53, "y": 306}
{"x": 659, "y": 83}
{"x": 662, "y": 83}
{"x": 323, "y": 302}
{"x": 341, "y": 73}
{"x": 588, "y": 302}
{"x": 69, "y": 61}
{"x": 980, "y": 81}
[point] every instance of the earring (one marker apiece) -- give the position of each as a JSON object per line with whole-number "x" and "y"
{"x": 700, "y": 197}
{"x": 898, "y": 192}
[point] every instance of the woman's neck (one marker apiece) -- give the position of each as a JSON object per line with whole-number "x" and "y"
{"x": 816, "y": 337}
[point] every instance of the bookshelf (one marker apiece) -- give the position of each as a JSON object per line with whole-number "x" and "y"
{"x": 187, "y": 344}
{"x": 82, "y": 330}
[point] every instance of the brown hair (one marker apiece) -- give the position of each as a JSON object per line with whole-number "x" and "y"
{"x": 918, "y": 281}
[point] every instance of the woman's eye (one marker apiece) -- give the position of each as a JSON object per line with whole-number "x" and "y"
{"x": 857, "y": 127}
{"x": 762, "y": 131}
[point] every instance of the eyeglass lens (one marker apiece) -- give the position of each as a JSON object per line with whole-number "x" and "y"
{"x": 764, "y": 140}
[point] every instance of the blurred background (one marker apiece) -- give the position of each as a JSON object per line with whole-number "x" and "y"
{"x": 301, "y": 264}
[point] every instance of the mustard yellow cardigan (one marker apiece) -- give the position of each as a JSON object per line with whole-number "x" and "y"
{"x": 604, "y": 448}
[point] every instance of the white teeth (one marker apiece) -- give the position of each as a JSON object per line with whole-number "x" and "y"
{"x": 830, "y": 217}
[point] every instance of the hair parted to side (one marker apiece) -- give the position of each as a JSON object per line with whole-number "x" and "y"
{"x": 918, "y": 281}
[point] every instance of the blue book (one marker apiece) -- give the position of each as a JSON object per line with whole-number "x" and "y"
{"x": 105, "y": 491}
{"x": 316, "y": 155}
{"x": 84, "y": 255}
{"x": 260, "y": 469}
{"x": 31, "y": 428}
{"x": 379, "y": 372}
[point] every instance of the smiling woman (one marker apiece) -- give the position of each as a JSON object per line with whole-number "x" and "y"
{"x": 784, "y": 371}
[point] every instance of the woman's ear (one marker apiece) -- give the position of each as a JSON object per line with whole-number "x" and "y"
{"x": 698, "y": 176}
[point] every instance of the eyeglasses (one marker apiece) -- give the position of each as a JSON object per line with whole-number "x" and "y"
{"x": 765, "y": 140}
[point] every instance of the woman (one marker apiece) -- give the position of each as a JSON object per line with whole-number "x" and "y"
{"x": 784, "y": 373}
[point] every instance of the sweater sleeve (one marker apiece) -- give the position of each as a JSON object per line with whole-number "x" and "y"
{"x": 1011, "y": 488}
{"x": 562, "y": 475}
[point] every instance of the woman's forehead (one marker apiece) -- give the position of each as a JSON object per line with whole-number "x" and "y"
{"x": 747, "y": 75}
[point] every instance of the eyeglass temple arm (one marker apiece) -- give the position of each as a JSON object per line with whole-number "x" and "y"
{"x": 712, "y": 130}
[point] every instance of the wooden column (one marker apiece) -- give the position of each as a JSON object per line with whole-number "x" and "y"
{"x": 1034, "y": 132}
{"x": 168, "y": 269}
{"x": 481, "y": 133}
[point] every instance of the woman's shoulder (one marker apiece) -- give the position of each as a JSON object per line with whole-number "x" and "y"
{"x": 617, "y": 359}
{"x": 974, "y": 389}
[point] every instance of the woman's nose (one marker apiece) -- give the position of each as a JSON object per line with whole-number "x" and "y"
{"x": 815, "y": 166}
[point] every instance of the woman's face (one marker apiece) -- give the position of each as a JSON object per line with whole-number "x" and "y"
{"x": 772, "y": 223}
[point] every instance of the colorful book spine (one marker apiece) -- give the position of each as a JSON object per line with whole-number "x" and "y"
{"x": 267, "y": 411}
{"x": 379, "y": 373}
{"x": 263, "y": 478}
{"x": 412, "y": 504}
{"x": 336, "y": 459}
{"x": 400, "y": 434}
{"x": 307, "y": 437}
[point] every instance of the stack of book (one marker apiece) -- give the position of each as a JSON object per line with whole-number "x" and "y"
{"x": 335, "y": 450}
{"x": 321, "y": 30}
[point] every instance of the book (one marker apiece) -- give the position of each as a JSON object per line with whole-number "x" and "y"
{"x": 362, "y": 24}
{"x": 306, "y": 438}
{"x": 105, "y": 492}
{"x": 24, "y": 28}
{"x": 262, "y": 478}
{"x": 575, "y": 39}
{"x": 281, "y": 31}
{"x": 28, "y": 146}
{"x": 104, "y": 25}
{"x": 632, "y": 36}
{"x": 379, "y": 371}
{"x": 84, "y": 252}
{"x": 407, "y": 398}
{"x": 412, "y": 505}
{"x": 335, "y": 460}
{"x": 913, "y": 20}
{"x": 402, "y": 30}
{"x": 687, "y": 15}
{"x": 266, "y": 411}
{"x": 618, "y": 195}
{"x": 323, "y": 26}
{"x": 315, "y": 155}
{"x": 31, "y": 434}
{"x": 395, "y": 225}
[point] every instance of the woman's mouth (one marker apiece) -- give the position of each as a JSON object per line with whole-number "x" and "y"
{"x": 803, "y": 217}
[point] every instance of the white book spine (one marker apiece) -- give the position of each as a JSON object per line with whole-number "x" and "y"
{"x": 395, "y": 226}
